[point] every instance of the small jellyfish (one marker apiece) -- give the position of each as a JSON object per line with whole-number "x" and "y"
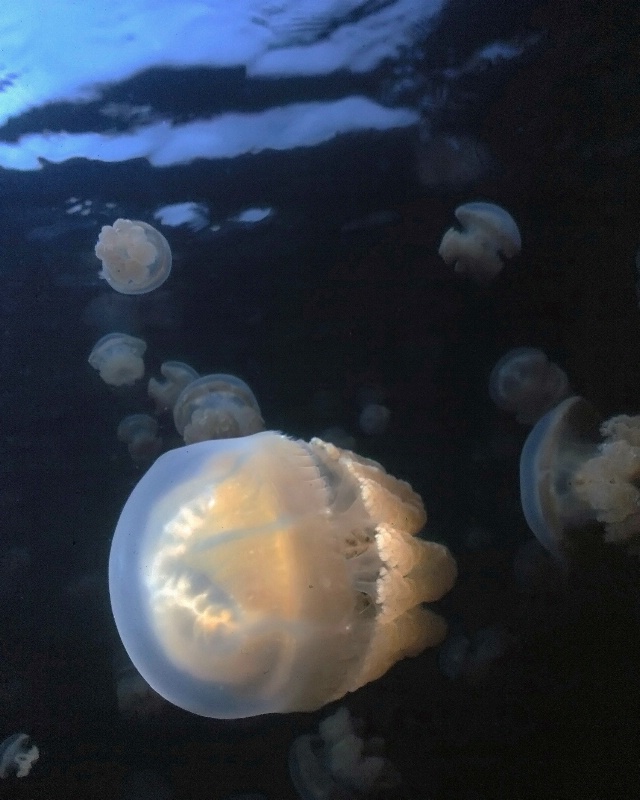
{"x": 140, "y": 433}
{"x": 472, "y": 658}
{"x": 488, "y": 232}
{"x": 338, "y": 763}
{"x": 136, "y": 258}
{"x": 579, "y": 479}
{"x": 262, "y": 574}
{"x": 216, "y": 407}
{"x": 525, "y": 383}
{"x": 118, "y": 358}
{"x": 373, "y": 419}
{"x": 177, "y": 375}
{"x": 17, "y": 755}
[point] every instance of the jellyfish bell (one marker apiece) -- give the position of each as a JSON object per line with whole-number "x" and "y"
{"x": 136, "y": 258}
{"x": 262, "y": 574}
{"x": 140, "y": 433}
{"x": 177, "y": 375}
{"x": 579, "y": 477}
{"x": 524, "y": 382}
{"x": 488, "y": 233}
{"x": 118, "y": 358}
{"x": 216, "y": 406}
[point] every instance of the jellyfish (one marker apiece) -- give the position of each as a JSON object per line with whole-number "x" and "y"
{"x": 263, "y": 574}
{"x": 176, "y": 375}
{"x": 17, "y": 755}
{"x": 373, "y": 419}
{"x": 136, "y": 258}
{"x": 525, "y": 383}
{"x": 488, "y": 232}
{"x": 140, "y": 433}
{"x": 118, "y": 358}
{"x": 216, "y": 407}
{"x": 338, "y": 763}
{"x": 579, "y": 478}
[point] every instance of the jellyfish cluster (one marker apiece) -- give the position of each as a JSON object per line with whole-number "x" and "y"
{"x": 252, "y": 572}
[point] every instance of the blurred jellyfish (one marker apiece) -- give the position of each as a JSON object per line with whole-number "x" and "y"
{"x": 472, "y": 657}
{"x": 579, "y": 478}
{"x": 17, "y": 755}
{"x": 338, "y": 763}
{"x": 140, "y": 433}
{"x": 262, "y": 574}
{"x": 216, "y": 407}
{"x": 177, "y": 375}
{"x": 136, "y": 258}
{"x": 525, "y": 383}
{"x": 338, "y": 436}
{"x": 373, "y": 419}
{"x": 118, "y": 358}
{"x": 488, "y": 232}
{"x": 135, "y": 698}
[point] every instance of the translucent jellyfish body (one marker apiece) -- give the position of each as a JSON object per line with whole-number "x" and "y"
{"x": 17, "y": 755}
{"x": 140, "y": 433}
{"x": 216, "y": 407}
{"x": 262, "y": 574}
{"x": 488, "y": 231}
{"x": 136, "y": 258}
{"x": 118, "y": 358}
{"x": 525, "y": 383}
{"x": 579, "y": 478}
{"x": 338, "y": 763}
{"x": 373, "y": 419}
{"x": 176, "y": 376}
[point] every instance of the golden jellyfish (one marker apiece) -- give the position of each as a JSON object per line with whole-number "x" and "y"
{"x": 579, "y": 479}
{"x": 263, "y": 574}
{"x": 488, "y": 233}
{"x": 136, "y": 258}
{"x": 177, "y": 375}
{"x": 118, "y": 358}
{"x": 216, "y": 407}
{"x": 339, "y": 763}
{"x": 140, "y": 433}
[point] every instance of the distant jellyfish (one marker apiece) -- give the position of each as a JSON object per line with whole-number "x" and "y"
{"x": 488, "y": 233}
{"x": 262, "y": 575}
{"x": 17, "y": 755}
{"x": 176, "y": 375}
{"x": 525, "y": 383}
{"x": 373, "y": 419}
{"x": 118, "y": 358}
{"x": 216, "y": 407}
{"x": 338, "y": 436}
{"x": 579, "y": 479}
{"x": 472, "y": 657}
{"x": 140, "y": 433}
{"x": 134, "y": 697}
{"x": 136, "y": 258}
{"x": 338, "y": 763}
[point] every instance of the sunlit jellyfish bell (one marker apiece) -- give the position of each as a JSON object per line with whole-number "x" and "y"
{"x": 262, "y": 574}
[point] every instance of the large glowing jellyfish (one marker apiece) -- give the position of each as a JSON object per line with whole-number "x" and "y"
{"x": 262, "y": 574}
{"x": 579, "y": 478}
{"x": 136, "y": 258}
